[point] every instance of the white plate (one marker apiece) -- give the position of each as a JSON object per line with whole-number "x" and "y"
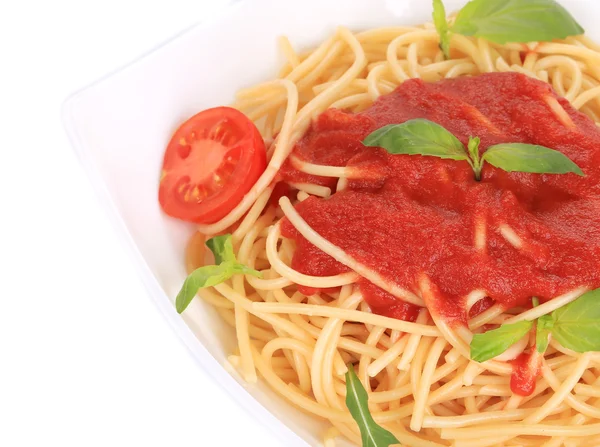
{"x": 120, "y": 126}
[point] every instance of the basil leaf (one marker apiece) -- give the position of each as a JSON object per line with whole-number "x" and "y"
{"x": 206, "y": 276}
{"x": 372, "y": 434}
{"x": 521, "y": 157}
{"x": 417, "y": 137}
{"x": 504, "y": 21}
{"x": 576, "y": 326}
{"x": 242, "y": 269}
{"x": 492, "y": 343}
{"x": 542, "y": 340}
{"x": 222, "y": 248}
{"x": 473, "y": 148}
{"x": 476, "y": 162}
{"x": 211, "y": 275}
{"x": 441, "y": 25}
{"x": 542, "y": 332}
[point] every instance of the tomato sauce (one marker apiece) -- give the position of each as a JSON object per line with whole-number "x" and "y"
{"x": 526, "y": 369}
{"x": 404, "y": 216}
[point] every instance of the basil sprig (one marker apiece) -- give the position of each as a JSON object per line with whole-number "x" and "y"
{"x": 503, "y": 21}
{"x": 423, "y": 137}
{"x": 576, "y": 326}
{"x": 372, "y": 435}
{"x": 211, "y": 275}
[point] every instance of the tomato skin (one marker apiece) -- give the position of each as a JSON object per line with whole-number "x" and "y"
{"x": 213, "y": 160}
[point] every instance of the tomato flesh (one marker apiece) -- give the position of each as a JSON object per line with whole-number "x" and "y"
{"x": 211, "y": 162}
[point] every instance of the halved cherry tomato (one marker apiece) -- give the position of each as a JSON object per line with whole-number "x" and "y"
{"x": 211, "y": 162}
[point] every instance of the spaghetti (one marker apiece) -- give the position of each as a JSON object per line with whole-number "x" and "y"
{"x": 422, "y": 385}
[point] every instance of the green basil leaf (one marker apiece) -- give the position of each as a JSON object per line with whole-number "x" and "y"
{"x": 417, "y": 137}
{"x": 222, "y": 248}
{"x": 503, "y": 21}
{"x": 206, "y": 276}
{"x": 542, "y": 333}
{"x": 473, "y": 148}
{"x": 476, "y": 163}
{"x": 441, "y": 25}
{"x": 492, "y": 343}
{"x": 211, "y": 275}
{"x": 372, "y": 434}
{"x": 542, "y": 340}
{"x": 521, "y": 157}
{"x": 576, "y": 326}
{"x": 242, "y": 269}
{"x": 546, "y": 322}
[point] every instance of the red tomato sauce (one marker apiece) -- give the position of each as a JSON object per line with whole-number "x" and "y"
{"x": 526, "y": 369}
{"x": 408, "y": 215}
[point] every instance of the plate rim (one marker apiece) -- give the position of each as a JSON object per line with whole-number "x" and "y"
{"x": 217, "y": 372}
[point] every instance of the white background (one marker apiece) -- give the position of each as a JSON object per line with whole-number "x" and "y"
{"x": 85, "y": 358}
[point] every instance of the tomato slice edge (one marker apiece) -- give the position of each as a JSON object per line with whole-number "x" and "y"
{"x": 247, "y": 170}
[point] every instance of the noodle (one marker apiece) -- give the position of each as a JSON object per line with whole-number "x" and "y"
{"x": 422, "y": 385}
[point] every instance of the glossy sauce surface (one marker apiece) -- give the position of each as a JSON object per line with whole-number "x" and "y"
{"x": 404, "y": 216}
